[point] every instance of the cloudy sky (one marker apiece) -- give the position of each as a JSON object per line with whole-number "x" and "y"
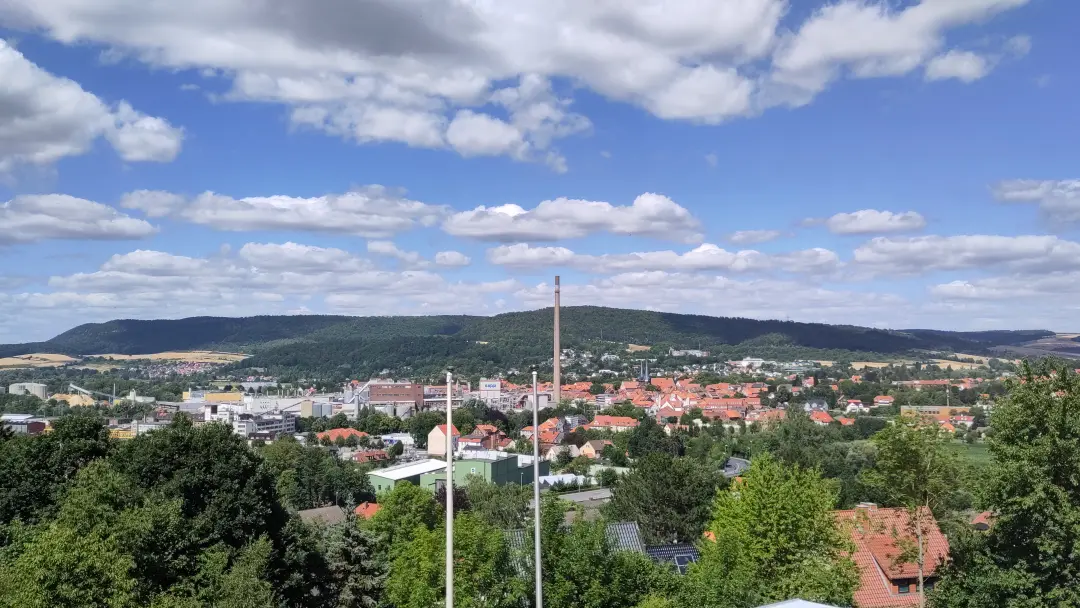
{"x": 910, "y": 163}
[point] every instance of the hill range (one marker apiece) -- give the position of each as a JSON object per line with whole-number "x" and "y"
{"x": 531, "y": 331}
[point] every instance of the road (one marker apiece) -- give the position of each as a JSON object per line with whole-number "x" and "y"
{"x": 588, "y": 497}
{"x": 735, "y": 466}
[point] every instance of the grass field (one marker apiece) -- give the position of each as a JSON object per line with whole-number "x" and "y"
{"x": 194, "y": 356}
{"x": 35, "y": 360}
{"x": 975, "y": 453}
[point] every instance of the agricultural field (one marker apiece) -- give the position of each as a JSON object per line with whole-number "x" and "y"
{"x": 35, "y": 360}
{"x": 634, "y": 348}
{"x": 194, "y": 356}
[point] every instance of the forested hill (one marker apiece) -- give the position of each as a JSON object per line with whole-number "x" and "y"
{"x": 532, "y": 328}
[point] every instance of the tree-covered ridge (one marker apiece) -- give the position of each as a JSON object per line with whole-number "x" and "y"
{"x": 580, "y": 324}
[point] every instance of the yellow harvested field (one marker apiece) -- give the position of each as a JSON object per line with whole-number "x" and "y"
{"x": 634, "y": 348}
{"x": 874, "y": 364}
{"x": 943, "y": 363}
{"x": 36, "y": 360}
{"x": 194, "y": 356}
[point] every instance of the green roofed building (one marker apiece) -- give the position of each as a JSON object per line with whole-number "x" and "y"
{"x": 493, "y": 466}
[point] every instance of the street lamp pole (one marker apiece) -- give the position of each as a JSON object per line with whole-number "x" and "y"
{"x": 536, "y": 492}
{"x": 449, "y": 488}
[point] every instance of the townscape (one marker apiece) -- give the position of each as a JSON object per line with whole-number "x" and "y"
{"x": 672, "y": 466}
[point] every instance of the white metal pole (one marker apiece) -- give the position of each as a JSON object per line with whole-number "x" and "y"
{"x": 449, "y": 489}
{"x": 536, "y": 493}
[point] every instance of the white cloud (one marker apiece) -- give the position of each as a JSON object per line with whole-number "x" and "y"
{"x": 452, "y": 259}
{"x": 750, "y": 237}
{"x": 1029, "y": 254}
{"x": 652, "y": 215}
{"x": 372, "y": 211}
{"x": 705, "y": 257}
{"x": 1018, "y": 45}
{"x": 294, "y": 257}
{"x": 1012, "y": 287}
{"x": 408, "y": 259}
{"x": 868, "y": 40}
{"x": 872, "y": 221}
{"x": 964, "y": 66}
{"x": 1059, "y": 200}
{"x": 711, "y": 159}
{"x": 46, "y": 118}
{"x": 405, "y": 70}
{"x": 31, "y": 218}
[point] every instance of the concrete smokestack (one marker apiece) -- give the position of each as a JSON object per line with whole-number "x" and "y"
{"x": 557, "y": 361}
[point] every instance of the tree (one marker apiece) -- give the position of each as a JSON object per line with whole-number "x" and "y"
{"x": 404, "y": 510}
{"x": 607, "y": 478}
{"x": 1028, "y": 558}
{"x": 504, "y": 506}
{"x": 915, "y": 469}
{"x": 484, "y": 575}
{"x": 422, "y": 423}
{"x": 596, "y": 389}
{"x": 776, "y": 537}
{"x": 670, "y": 498}
{"x": 358, "y": 576}
{"x": 648, "y": 438}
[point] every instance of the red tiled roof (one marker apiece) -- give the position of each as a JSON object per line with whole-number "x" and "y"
{"x": 602, "y": 421}
{"x": 442, "y": 427}
{"x": 333, "y": 434}
{"x": 875, "y": 532}
{"x": 983, "y": 520}
{"x": 845, "y": 421}
{"x": 370, "y": 456}
{"x": 487, "y": 428}
{"x": 366, "y": 510}
{"x": 822, "y": 417}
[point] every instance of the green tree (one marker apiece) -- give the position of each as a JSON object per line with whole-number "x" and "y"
{"x": 422, "y": 423}
{"x": 670, "y": 498}
{"x": 915, "y": 469}
{"x": 357, "y": 574}
{"x": 504, "y": 506}
{"x": 776, "y": 535}
{"x": 60, "y": 567}
{"x": 648, "y": 438}
{"x": 1028, "y": 558}
{"x": 403, "y": 511}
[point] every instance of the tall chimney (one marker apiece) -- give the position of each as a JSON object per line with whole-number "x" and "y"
{"x": 557, "y": 361}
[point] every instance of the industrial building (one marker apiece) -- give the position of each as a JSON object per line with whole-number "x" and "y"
{"x": 384, "y": 480}
{"x": 490, "y": 465}
{"x": 30, "y": 388}
{"x": 23, "y": 424}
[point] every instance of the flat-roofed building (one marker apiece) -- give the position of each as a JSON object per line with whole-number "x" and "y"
{"x": 385, "y": 480}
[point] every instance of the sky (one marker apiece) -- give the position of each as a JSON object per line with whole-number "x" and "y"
{"x": 900, "y": 164}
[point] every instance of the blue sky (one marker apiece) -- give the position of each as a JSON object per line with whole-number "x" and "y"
{"x": 900, "y": 164}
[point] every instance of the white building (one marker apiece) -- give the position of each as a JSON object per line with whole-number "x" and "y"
{"x": 30, "y": 388}
{"x": 490, "y": 390}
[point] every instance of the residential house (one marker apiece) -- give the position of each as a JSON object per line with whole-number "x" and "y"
{"x": 334, "y": 434}
{"x": 766, "y": 416}
{"x": 983, "y": 521}
{"x": 553, "y": 452}
{"x": 613, "y": 423}
{"x": 323, "y": 515}
{"x": 371, "y": 456}
{"x": 845, "y": 421}
{"x": 816, "y": 403}
{"x": 855, "y": 406}
{"x": 821, "y": 418}
{"x": 963, "y": 420}
{"x": 880, "y": 535}
{"x": 436, "y": 440}
{"x": 664, "y": 384}
{"x": 593, "y": 449}
{"x": 884, "y": 400}
{"x": 484, "y": 436}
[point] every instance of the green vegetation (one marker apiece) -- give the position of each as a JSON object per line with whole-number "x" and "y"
{"x": 187, "y": 517}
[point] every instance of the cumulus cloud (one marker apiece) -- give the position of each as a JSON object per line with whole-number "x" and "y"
{"x": 31, "y": 218}
{"x": 919, "y": 254}
{"x": 705, "y": 257}
{"x": 750, "y": 237}
{"x": 408, "y": 259}
{"x": 872, "y": 221}
{"x": 427, "y": 72}
{"x": 47, "y": 118}
{"x": 372, "y": 211}
{"x": 868, "y": 40}
{"x": 652, "y": 215}
{"x": 295, "y": 257}
{"x": 452, "y": 259}
{"x": 1058, "y": 200}
{"x": 965, "y": 66}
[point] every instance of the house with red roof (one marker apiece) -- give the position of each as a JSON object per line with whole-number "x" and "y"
{"x": 884, "y": 400}
{"x": 334, "y": 434}
{"x": 436, "y": 440}
{"x": 880, "y": 535}
{"x": 821, "y": 418}
{"x": 370, "y": 456}
{"x": 613, "y": 423}
{"x": 845, "y": 421}
{"x": 664, "y": 384}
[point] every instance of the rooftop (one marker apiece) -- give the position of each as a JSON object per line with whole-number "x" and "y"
{"x": 411, "y": 469}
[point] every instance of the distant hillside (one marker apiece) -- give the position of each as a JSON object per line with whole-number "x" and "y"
{"x": 513, "y": 331}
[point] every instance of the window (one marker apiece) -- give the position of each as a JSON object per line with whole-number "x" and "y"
{"x": 472, "y": 470}
{"x": 904, "y": 588}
